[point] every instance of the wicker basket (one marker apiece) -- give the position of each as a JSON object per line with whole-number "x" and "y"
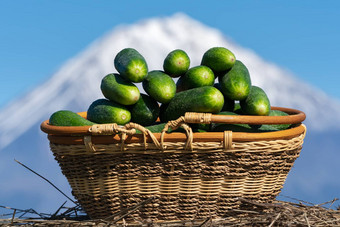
{"x": 187, "y": 175}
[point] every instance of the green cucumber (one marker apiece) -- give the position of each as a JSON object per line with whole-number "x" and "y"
{"x": 200, "y": 127}
{"x": 159, "y": 86}
{"x": 158, "y": 128}
{"x": 116, "y": 89}
{"x": 131, "y": 65}
{"x": 155, "y": 128}
{"x": 256, "y": 103}
{"x": 197, "y": 76}
{"x": 202, "y": 99}
{"x": 279, "y": 113}
{"x": 103, "y": 111}
{"x": 236, "y": 83}
{"x": 180, "y": 84}
{"x": 219, "y": 75}
{"x": 219, "y": 59}
{"x": 176, "y": 63}
{"x": 237, "y": 108}
{"x": 162, "y": 110}
{"x": 229, "y": 104}
{"x": 145, "y": 111}
{"x": 68, "y": 118}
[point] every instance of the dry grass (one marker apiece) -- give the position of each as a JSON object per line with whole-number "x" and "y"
{"x": 279, "y": 213}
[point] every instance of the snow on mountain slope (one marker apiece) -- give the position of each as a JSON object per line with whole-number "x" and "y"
{"x": 77, "y": 83}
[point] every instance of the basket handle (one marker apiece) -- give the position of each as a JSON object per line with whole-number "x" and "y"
{"x": 294, "y": 117}
{"x": 112, "y": 129}
{"x": 145, "y": 132}
{"x": 174, "y": 124}
{"x": 195, "y": 118}
{"x": 108, "y": 129}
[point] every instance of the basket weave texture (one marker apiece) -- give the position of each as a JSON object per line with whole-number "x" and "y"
{"x": 187, "y": 178}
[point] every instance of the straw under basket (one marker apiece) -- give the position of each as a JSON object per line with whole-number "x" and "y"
{"x": 187, "y": 175}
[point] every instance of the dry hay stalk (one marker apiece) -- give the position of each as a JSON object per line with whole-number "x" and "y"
{"x": 278, "y": 213}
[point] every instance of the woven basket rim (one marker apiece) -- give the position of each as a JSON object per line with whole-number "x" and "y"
{"x": 75, "y": 134}
{"x": 295, "y": 117}
{"x": 175, "y": 137}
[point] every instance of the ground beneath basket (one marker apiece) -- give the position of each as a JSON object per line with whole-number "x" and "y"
{"x": 278, "y": 213}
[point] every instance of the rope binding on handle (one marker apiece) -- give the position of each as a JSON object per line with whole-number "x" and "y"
{"x": 201, "y": 118}
{"x": 175, "y": 124}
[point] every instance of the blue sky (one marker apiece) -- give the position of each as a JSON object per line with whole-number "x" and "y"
{"x": 37, "y": 37}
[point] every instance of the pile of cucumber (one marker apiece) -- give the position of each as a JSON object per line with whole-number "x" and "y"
{"x": 219, "y": 85}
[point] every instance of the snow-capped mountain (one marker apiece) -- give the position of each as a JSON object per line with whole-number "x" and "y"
{"x": 77, "y": 84}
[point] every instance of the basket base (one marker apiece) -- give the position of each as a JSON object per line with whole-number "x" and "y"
{"x": 184, "y": 186}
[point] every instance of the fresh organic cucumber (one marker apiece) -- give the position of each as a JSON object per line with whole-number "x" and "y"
{"x": 119, "y": 90}
{"x": 219, "y": 59}
{"x": 180, "y": 85}
{"x": 256, "y": 103}
{"x": 131, "y": 65}
{"x": 158, "y": 128}
{"x": 155, "y": 128}
{"x": 237, "y": 108}
{"x": 197, "y": 76}
{"x": 145, "y": 112}
{"x": 159, "y": 86}
{"x": 68, "y": 118}
{"x": 200, "y": 127}
{"x": 229, "y": 104}
{"x": 202, "y": 99}
{"x": 236, "y": 83}
{"x": 176, "y": 63}
{"x": 279, "y": 113}
{"x": 103, "y": 111}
